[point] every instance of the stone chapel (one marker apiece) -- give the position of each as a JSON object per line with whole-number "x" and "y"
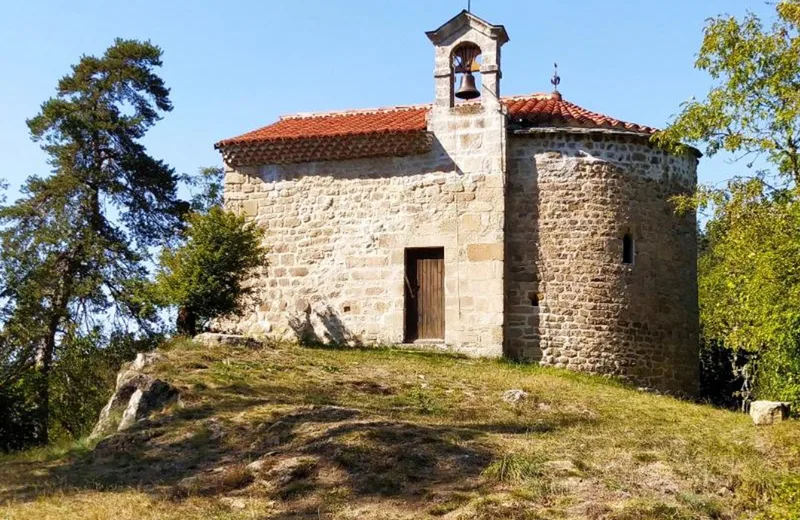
{"x": 522, "y": 226}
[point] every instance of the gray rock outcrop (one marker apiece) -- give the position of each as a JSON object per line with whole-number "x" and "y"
{"x": 136, "y": 396}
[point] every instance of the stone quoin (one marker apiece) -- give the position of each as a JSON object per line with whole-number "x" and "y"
{"x": 520, "y": 226}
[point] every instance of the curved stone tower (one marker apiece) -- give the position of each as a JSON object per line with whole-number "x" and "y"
{"x": 600, "y": 271}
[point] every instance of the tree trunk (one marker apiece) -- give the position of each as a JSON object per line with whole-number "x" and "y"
{"x": 44, "y": 363}
{"x": 186, "y": 322}
{"x": 46, "y": 354}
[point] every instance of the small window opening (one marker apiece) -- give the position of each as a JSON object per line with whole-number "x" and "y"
{"x": 628, "y": 249}
{"x": 534, "y": 297}
{"x": 346, "y": 308}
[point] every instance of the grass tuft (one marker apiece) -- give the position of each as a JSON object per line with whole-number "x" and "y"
{"x": 515, "y": 469}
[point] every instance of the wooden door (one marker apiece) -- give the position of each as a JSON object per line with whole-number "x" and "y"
{"x": 425, "y": 294}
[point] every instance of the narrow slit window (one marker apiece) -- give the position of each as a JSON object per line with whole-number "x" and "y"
{"x": 628, "y": 249}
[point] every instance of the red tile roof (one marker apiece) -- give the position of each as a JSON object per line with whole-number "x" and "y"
{"x": 379, "y": 121}
{"x": 392, "y": 131}
{"x": 550, "y": 110}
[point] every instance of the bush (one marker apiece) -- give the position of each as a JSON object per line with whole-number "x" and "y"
{"x": 17, "y": 410}
{"x": 778, "y": 375}
{"x": 721, "y": 379}
{"x": 204, "y": 276}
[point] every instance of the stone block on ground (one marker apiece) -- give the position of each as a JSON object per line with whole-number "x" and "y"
{"x": 768, "y": 412}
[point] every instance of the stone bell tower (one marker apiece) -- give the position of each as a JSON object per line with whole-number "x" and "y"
{"x": 468, "y": 125}
{"x": 472, "y": 132}
{"x": 454, "y": 41}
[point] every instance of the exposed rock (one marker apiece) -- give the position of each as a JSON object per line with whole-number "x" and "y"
{"x": 136, "y": 395}
{"x": 768, "y": 412}
{"x": 292, "y": 469}
{"x": 215, "y": 429}
{"x": 256, "y": 466}
{"x": 234, "y": 503}
{"x": 150, "y": 396}
{"x": 230, "y": 340}
{"x": 514, "y": 396}
{"x": 724, "y": 491}
{"x": 145, "y": 359}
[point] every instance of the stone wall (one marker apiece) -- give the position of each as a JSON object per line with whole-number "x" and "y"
{"x": 570, "y": 200}
{"x": 338, "y": 231}
{"x": 533, "y": 267}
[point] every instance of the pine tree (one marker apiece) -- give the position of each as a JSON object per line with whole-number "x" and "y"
{"x": 75, "y": 243}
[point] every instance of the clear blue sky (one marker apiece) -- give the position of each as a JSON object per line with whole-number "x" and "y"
{"x": 236, "y": 65}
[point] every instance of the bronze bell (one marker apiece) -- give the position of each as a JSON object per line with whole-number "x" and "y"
{"x": 467, "y": 89}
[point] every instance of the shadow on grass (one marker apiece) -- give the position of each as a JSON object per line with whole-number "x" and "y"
{"x": 389, "y": 350}
{"x": 363, "y": 454}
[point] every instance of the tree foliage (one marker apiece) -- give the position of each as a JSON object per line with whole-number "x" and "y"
{"x": 752, "y": 108}
{"x": 749, "y": 284}
{"x": 205, "y": 276}
{"x": 74, "y": 246}
{"x": 749, "y": 266}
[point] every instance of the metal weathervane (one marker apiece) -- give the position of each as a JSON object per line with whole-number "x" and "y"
{"x": 556, "y": 81}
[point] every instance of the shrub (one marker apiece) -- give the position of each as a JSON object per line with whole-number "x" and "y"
{"x": 204, "y": 276}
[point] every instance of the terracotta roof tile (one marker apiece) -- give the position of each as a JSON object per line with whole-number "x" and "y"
{"x": 551, "y": 110}
{"x": 379, "y": 121}
{"x": 392, "y": 131}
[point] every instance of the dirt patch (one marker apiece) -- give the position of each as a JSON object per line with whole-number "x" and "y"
{"x": 372, "y": 387}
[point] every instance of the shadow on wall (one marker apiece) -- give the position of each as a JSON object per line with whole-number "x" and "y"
{"x": 322, "y": 326}
{"x": 436, "y": 160}
{"x": 525, "y": 293}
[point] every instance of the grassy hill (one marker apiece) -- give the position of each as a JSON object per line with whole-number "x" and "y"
{"x": 378, "y": 433}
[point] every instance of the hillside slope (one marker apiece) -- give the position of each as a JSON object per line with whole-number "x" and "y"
{"x": 376, "y": 433}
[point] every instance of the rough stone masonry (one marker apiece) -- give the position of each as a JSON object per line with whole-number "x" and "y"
{"x": 533, "y": 200}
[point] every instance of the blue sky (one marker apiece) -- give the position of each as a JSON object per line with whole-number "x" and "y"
{"x": 234, "y": 66}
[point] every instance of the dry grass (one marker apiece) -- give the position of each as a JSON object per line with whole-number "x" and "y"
{"x": 378, "y": 433}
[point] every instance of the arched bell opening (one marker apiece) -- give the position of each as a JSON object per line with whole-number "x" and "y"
{"x": 466, "y": 63}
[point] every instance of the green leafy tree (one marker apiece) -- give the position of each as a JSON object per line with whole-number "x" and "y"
{"x": 205, "y": 277}
{"x": 752, "y": 108}
{"x": 749, "y": 266}
{"x": 74, "y": 246}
